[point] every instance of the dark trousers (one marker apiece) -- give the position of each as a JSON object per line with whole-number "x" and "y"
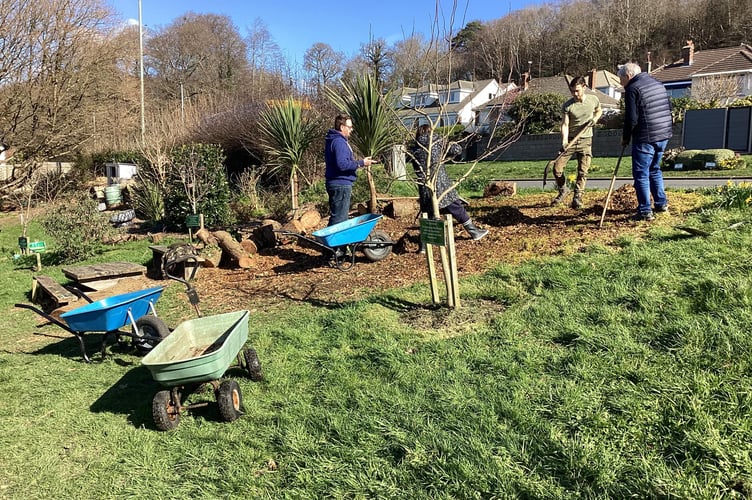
{"x": 339, "y": 203}
{"x": 456, "y": 209}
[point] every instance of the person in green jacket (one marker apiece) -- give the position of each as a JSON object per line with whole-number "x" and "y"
{"x": 578, "y": 115}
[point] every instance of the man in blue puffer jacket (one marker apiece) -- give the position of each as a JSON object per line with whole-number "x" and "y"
{"x": 648, "y": 123}
{"x": 341, "y": 168}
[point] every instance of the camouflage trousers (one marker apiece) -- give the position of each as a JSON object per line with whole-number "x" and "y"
{"x": 583, "y": 151}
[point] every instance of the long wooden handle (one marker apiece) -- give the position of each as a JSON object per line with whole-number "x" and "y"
{"x": 611, "y": 187}
{"x": 566, "y": 150}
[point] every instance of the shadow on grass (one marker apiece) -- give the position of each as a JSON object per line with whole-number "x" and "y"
{"x": 133, "y": 394}
{"x": 69, "y": 346}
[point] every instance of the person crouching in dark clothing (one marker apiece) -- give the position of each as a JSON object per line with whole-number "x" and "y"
{"x": 450, "y": 203}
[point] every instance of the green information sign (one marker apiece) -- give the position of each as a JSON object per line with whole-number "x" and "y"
{"x": 432, "y": 232}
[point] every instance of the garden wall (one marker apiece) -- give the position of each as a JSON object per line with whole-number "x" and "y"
{"x": 546, "y": 146}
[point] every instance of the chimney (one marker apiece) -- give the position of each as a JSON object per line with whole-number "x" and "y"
{"x": 591, "y": 79}
{"x": 688, "y": 53}
{"x": 649, "y": 63}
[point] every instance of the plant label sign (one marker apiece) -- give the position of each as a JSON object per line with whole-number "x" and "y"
{"x": 678, "y": 166}
{"x": 710, "y": 165}
{"x": 432, "y": 231}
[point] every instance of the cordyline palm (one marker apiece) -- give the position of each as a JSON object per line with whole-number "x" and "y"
{"x": 286, "y": 135}
{"x": 373, "y": 126}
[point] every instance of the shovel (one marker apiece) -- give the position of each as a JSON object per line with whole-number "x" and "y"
{"x": 699, "y": 232}
{"x": 611, "y": 187}
{"x": 565, "y": 150}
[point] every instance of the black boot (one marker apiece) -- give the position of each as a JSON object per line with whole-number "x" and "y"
{"x": 474, "y": 232}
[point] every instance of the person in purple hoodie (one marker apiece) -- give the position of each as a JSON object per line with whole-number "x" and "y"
{"x": 341, "y": 168}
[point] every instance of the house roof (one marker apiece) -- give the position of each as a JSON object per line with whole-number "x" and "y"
{"x": 704, "y": 62}
{"x": 604, "y": 78}
{"x": 560, "y": 85}
{"x": 475, "y": 87}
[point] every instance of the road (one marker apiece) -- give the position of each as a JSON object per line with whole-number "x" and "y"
{"x": 669, "y": 182}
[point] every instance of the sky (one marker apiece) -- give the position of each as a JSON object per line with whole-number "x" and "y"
{"x": 295, "y": 25}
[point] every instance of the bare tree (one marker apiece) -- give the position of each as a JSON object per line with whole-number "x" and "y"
{"x": 412, "y": 62}
{"x": 197, "y": 53}
{"x": 378, "y": 59}
{"x": 715, "y": 91}
{"x": 53, "y": 73}
{"x": 269, "y": 72}
{"x": 324, "y": 64}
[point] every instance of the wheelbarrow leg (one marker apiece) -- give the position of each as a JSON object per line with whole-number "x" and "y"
{"x": 80, "y": 339}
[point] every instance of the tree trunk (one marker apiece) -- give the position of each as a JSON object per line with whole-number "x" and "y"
{"x": 294, "y": 187}
{"x": 372, "y": 187}
{"x": 212, "y": 255}
{"x": 228, "y": 244}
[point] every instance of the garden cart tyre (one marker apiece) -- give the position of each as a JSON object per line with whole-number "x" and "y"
{"x": 165, "y": 412}
{"x": 375, "y": 253}
{"x": 252, "y": 364}
{"x": 230, "y": 400}
{"x": 148, "y": 329}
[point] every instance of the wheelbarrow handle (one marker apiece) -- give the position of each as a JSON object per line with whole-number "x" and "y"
{"x": 48, "y": 317}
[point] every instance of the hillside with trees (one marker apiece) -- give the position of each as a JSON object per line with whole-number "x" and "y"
{"x": 70, "y": 72}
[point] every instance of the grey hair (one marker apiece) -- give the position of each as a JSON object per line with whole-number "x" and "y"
{"x": 629, "y": 70}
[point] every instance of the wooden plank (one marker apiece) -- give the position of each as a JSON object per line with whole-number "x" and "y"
{"x": 53, "y": 289}
{"x": 108, "y": 270}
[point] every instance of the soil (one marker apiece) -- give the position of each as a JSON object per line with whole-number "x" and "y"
{"x": 520, "y": 229}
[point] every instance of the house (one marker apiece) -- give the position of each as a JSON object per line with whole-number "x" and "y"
{"x": 606, "y": 82}
{"x": 560, "y": 85}
{"x": 493, "y": 113}
{"x": 697, "y": 65}
{"x": 446, "y": 105}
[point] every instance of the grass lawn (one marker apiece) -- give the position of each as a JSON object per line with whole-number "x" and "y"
{"x": 621, "y": 371}
{"x": 600, "y": 167}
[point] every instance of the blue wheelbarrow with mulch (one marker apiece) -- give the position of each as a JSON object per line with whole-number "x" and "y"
{"x": 342, "y": 240}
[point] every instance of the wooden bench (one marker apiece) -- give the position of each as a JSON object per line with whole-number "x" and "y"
{"x": 101, "y": 276}
{"x": 52, "y": 290}
{"x": 158, "y": 251}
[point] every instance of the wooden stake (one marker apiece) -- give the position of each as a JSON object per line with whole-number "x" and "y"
{"x": 452, "y": 252}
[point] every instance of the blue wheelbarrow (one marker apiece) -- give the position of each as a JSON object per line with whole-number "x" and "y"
{"x": 133, "y": 309}
{"x": 342, "y": 240}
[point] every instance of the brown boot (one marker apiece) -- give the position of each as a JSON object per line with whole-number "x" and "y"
{"x": 577, "y": 200}
{"x": 563, "y": 192}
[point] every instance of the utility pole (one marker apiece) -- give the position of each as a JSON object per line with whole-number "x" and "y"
{"x": 141, "y": 69}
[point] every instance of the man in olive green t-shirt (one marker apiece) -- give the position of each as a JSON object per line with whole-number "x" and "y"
{"x": 577, "y": 113}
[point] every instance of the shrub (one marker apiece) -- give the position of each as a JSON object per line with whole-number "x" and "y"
{"x": 669, "y": 157}
{"x": 207, "y": 185}
{"x": 715, "y": 156}
{"x": 688, "y": 158}
{"x": 77, "y": 227}
{"x": 541, "y": 112}
{"x": 147, "y": 199}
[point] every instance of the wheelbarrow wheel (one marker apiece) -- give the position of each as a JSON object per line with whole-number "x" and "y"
{"x": 252, "y": 364}
{"x": 152, "y": 328}
{"x": 165, "y": 412}
{"x": 375, "y": 253}
{"x": 230, "y": 400}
